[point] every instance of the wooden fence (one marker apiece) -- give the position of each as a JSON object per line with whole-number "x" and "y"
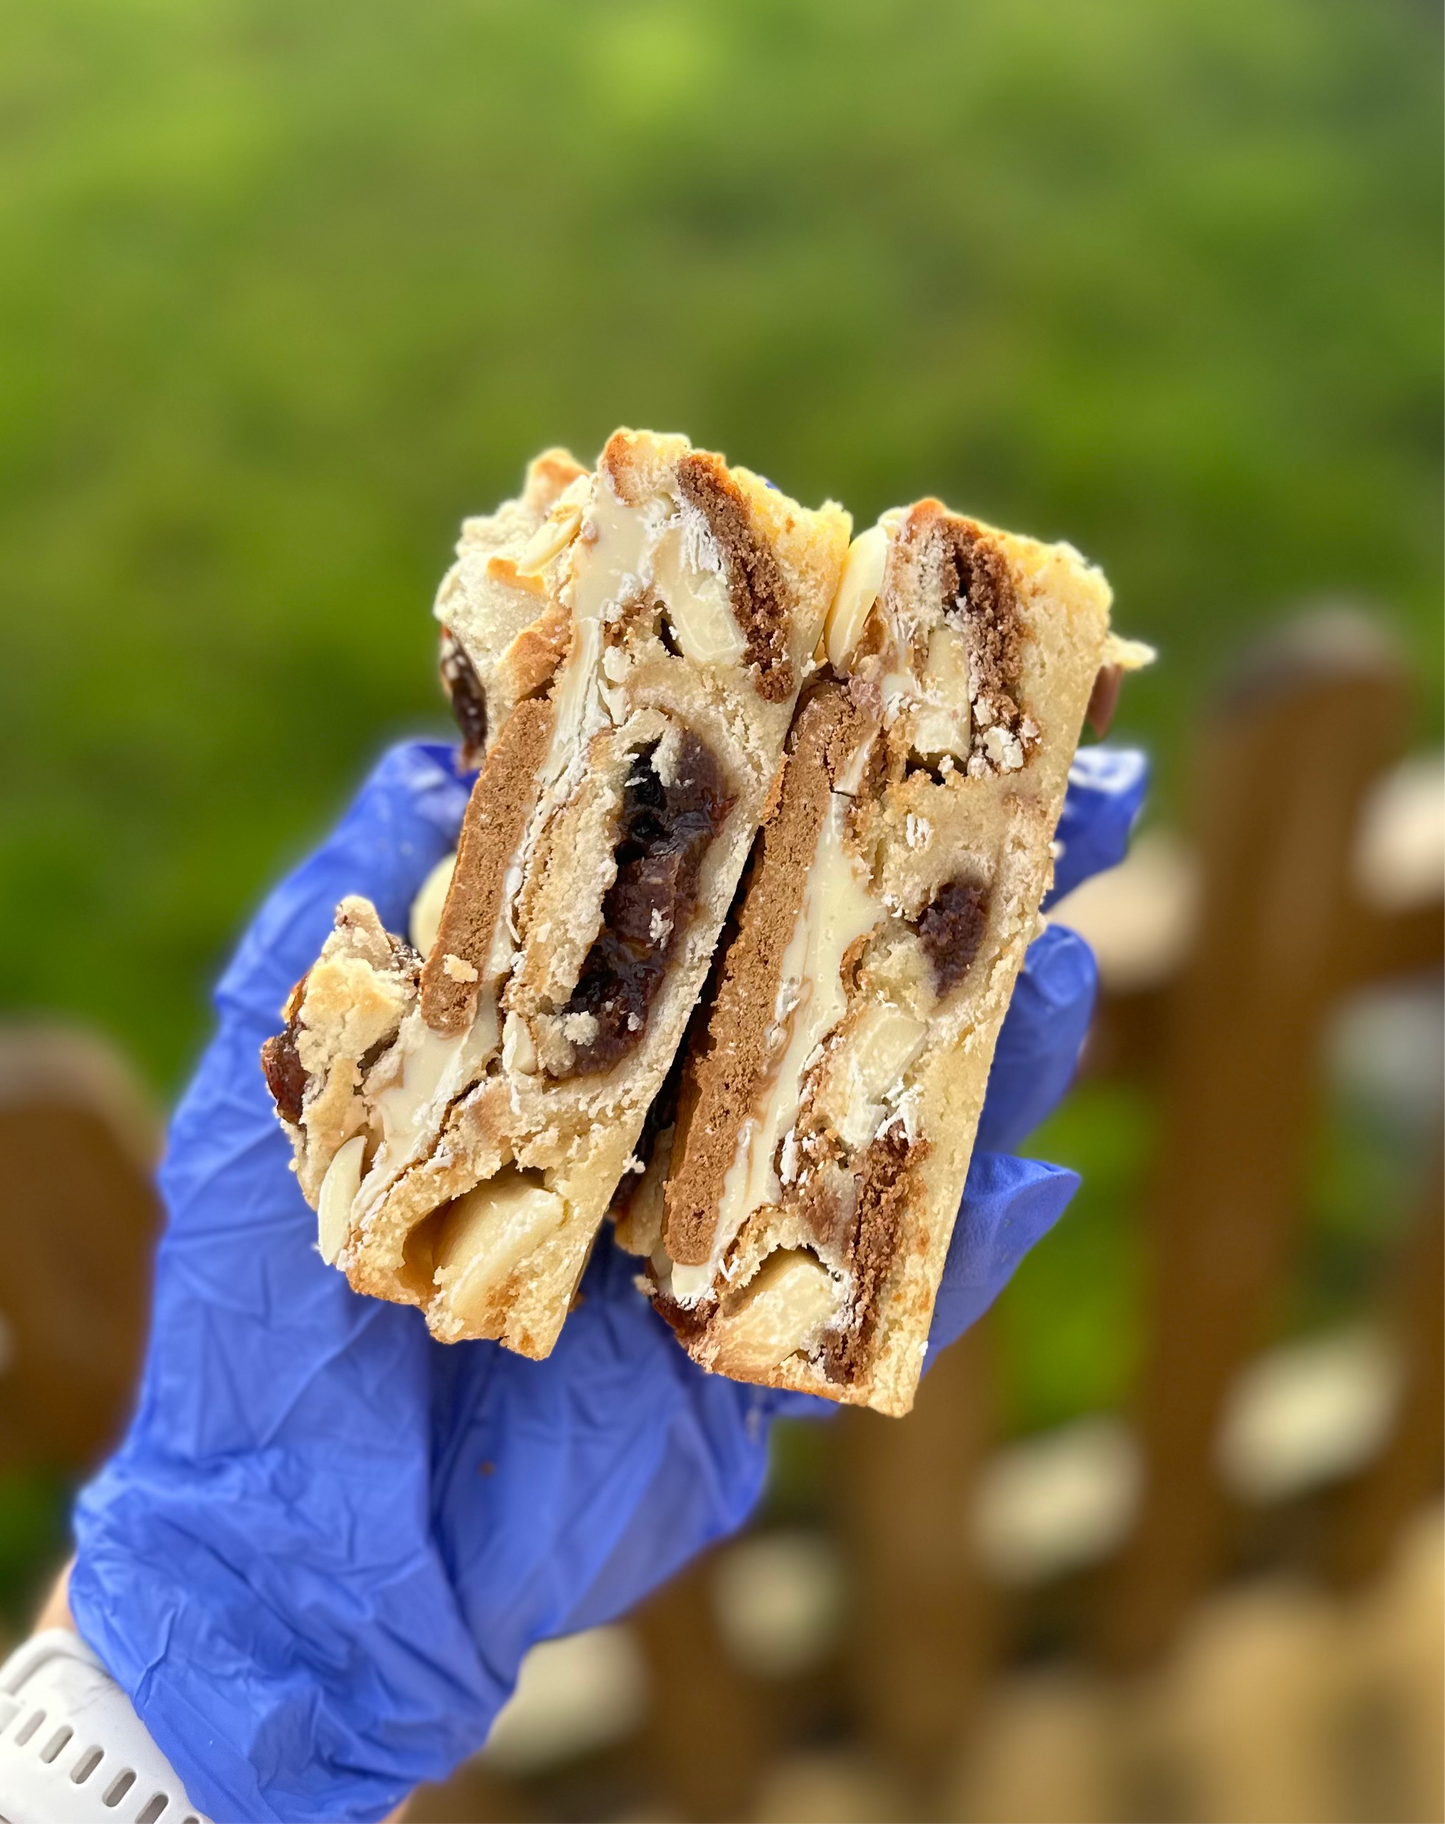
{"x": 928, "y": 1664}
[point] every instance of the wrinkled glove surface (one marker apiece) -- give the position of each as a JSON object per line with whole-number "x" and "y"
{"x": 326, "y": 1542}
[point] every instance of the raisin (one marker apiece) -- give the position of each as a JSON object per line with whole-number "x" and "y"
{"x": 951, "y": 928}
{"x": 663, "y": 833}
{"x": 285, "y": 1073}
{"x": 468, "y": 699}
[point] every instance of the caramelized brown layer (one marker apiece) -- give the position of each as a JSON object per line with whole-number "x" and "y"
{"x": 727, "y": 1073}
{"x": 976, "y": 582}
{"x": 760, "y": 598}
{"x": 884, "y": 1177}
{"x": 497, "y": 811}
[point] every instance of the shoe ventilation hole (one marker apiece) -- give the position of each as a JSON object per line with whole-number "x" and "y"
{"x": 28, "y": 1728}
{"x": 118, "y": 1787}
{"x": 87, "y": 1765}
{"x": 153, "y": 1811}
{"x": 56, "y": 1742}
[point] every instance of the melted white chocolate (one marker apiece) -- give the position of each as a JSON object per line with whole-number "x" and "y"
{"x": 622, "y": 551}
{"x": 608, "y": 568}
{"x": 687, "y": 572}
{"x": 487, "y": 1233}
{"x": 942, "y": 721}
{"x": 338, "y": 1193}
{"x": 434, "y": 1071}
{"x": 837, "y": 910}
{"x": 867, "y": 1069}
{"x": 786, "y": 1305}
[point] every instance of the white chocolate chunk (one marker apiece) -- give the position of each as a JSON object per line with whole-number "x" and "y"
{"x": 519, "y": 1054}
{"x": 941, "y": 723}
{"x": 550, "y": 539}
{"x": 688, "y": 1284}
{"x": 697, "y": 604}
{"x": 883, "y": 1046}
{"x": 487, "y": 1234}
{"x": 1128, "y": 655}
{"x": 948, "y": 662}
{"x": 424, "y": 920}
{"x": 877, "y": 1053}
{"x": 857, "y": 591}
{"x": 434, "y": 1070}
{"x": 781, "y": 1310}
{"x": 607, "y": 567}
{"x": 838, "y": 908}
{"x": 338, "y": 1193}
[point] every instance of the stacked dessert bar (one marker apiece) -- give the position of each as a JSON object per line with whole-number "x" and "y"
{"x": 700, "y": 713}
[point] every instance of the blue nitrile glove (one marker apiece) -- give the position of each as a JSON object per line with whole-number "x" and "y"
{"x": 318, "y": 1557}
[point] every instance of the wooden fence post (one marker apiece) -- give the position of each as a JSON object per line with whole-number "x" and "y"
{"x": 473, "y": 1795}
{"x": 1280, "y": 779}
{"x": 1408, "y": 1471}
{"x": 1391, "y": 1746}
{"x": 1042, "y": 1745}
{"x": 924, "y": 1629}
{"x": 709, "y": 1730}
{"x": 1248, "y": 1701}
{"x": 79, "y": 1216}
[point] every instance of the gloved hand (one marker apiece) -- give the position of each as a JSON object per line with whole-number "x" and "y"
{"x": 323, "y": 1548}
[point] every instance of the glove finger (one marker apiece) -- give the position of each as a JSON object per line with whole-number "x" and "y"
{"x": 1106, "y": 790}
{"x": 404, "y": 819}
{"x": 282, "y": 1411}
{"x": 1008, "y": 1205}
{"x": 608, "y": 1465}
{"x": 240, "y": 1239}
{"x": 709, "y": 1478}
{"x": 1038, "y": 1048}
{"x": 783, "y": 1403}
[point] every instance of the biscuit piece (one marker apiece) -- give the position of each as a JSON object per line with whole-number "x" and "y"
{"x": 623, "y": 649}
{"x": 827, "y": 1106}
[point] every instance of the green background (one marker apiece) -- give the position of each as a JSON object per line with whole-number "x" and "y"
{"x": 288, "y": 286}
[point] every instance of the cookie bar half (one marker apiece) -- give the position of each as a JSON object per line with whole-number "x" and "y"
{"x": 623, "y": 648}
{"x": 827, "y": 1105}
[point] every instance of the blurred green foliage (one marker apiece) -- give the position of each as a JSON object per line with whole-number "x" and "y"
{"x": 34, "y": 1509}
{"x": 1068, "y": 1334}
{"x": 289, "y": 288}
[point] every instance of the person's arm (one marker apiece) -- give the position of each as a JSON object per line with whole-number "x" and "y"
{"x": 72, "y": 1746}
{"x": 73, "y": 1673}
{"x": 55, "y": 1612}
